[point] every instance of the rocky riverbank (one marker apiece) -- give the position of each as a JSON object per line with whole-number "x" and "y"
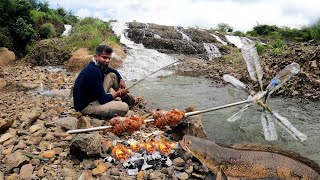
{"x": 36, "y": 112}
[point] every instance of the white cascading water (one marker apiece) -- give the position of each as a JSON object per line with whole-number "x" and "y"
{"x": 238, "y": 41}
{"x": 184, "y": 36}
{"x": 212, "y": 50}
{"x": 219, "y": 39}
{"x": 139, "y": 62}
{"x": 67, "y": 30}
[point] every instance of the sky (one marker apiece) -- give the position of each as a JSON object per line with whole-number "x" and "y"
{"x": 240, "y": 14}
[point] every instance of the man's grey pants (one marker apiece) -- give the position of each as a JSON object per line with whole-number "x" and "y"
{"x": 112, "y": 108}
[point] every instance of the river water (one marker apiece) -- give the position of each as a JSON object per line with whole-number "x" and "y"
{"x": 175, "y": 91}
{"x": 182, "y": 91}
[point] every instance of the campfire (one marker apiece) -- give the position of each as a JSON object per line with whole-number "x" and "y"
{"x": 141, "y": 155}
{"x": 124, "y": 149}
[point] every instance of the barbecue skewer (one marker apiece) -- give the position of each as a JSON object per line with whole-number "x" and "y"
{"x": 75, "y": 131}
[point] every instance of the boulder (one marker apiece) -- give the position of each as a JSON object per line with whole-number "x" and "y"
{"x": 31, "y": 116}
{"x": 190, "y": 126}
{"x": 14, "y": 160}
{"x": 26, "y": 172}
{"x": 67, "y": 122}
{"x": 86, "y": 145}
{"x": 6, "y": 56}
{"x": 5, "y": 124}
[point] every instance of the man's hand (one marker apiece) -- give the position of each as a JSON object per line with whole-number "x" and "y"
{"x": 122, "y": 84}
{"x": 121, "y": 92}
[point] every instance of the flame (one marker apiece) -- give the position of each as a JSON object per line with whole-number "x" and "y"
{"x": 121, "y": 152}
{"x": 150, "y": 146}
{"x": 165, "y": 146}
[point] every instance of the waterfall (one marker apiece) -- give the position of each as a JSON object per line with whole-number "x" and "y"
{"x": 212, "y": 50}
{"x": 238, "y": 41}
{"x": 139, "y": 62}
{"x": 219, "y": 39}
{"x": 184, "y": 36}
{"x": 67, "y": 30}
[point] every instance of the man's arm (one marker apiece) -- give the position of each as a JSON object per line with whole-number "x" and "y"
{"x": 109, "y": 70}
{"x": 96, "y": 84}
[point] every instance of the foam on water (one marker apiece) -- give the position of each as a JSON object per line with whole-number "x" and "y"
{"x": 212, "y": 50}
{"x": 219, "y": 39}
{"x": 184, "y": 36}
{"x": 238, "y": 41}
{"x": 140, "y": 62}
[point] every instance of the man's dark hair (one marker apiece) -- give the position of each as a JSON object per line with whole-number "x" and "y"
{"x": 104, "y": 49}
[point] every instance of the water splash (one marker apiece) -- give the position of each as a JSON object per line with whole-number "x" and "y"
{"x": 119, "y": 29}
{"x": 140, "y": 62}
{"x": 184, "y": 36}
{"x": 67, "y": 30}
{"x": 219, "y": 39}
{"x": 212, "y": 50}
{"x": 238, "y": 41}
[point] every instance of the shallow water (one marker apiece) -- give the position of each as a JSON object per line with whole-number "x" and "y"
{"x": 182, "y": 91}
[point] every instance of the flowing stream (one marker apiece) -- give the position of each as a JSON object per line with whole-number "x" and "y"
{"x": 182, "y": 91}
{"x": 166, "y": 91}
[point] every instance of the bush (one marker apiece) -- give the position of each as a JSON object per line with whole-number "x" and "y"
{"x": 265, "y": 29}
{"x": 89, "y": 33}
{"x": 278, "y": 43}
{"x": 261, "y": 48}
{"x": 47, "y": 30}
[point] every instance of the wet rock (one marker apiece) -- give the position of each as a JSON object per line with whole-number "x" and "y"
{"x": 178, "y": 162}
{"x": 31, "y": 117}
{"x": 3, "y": 83}
{"x": 67, "y": 122}
{"x": 191, "y": 126}
{"x": 6, "y": 56}
{"x": 86, "y": 175}
{"x": 86, "y": 145}
{"x": 14, "y": 160}
{"x": 26, "y": 172}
